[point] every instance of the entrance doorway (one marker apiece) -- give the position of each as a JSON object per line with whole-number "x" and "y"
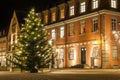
{"x": 83, "y": 55}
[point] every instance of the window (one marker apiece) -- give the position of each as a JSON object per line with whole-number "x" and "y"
{"x": 46, "y": 19}
{"x": 61, "y": 55}
{"x": 95, "y": 4}
{"x": 53, "y": 16}
{"x": 114, "y": 24}
{"x": 82, "y": 7}
{"x": 95, "y": 25}
{"x": 53, "y": 34}
{"x": 71, "y": 10}
{"x": 62, "y": 13}
{"x": 114, "y": 3}
{"x": 95, "y": 52}
{"x": 61, "y": 32}
{"x": 82, "y": 27}
{"x": 71, "y": 54}
{"x": 71, "y": 29}
{"x": 114, "y": 52}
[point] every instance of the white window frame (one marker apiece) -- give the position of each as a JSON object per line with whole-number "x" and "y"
{"x": 95, "y": 4}
{"x": 114, "y": 24}
{"x": 114, "y": 3}
{"x": 115, "y": 52}
{"x": 71, "y": 53}
{"x": 53, "y": 16}
{"x": 61, "y": 54}
{"x": 62, "y": 32}
{"x": 95, "y": 25}
{"x": 82, "y": 7}
{"x": 82, "y": 27}
{"x": 72, "y": 8}
{"x": 62, "y": 13}
{"x": 53, "y": 35}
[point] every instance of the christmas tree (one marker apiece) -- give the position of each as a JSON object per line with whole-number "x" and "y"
{"x": 33, "y": 50}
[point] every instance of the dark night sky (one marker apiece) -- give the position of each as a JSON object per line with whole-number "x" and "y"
{"x": 8, "y": 6}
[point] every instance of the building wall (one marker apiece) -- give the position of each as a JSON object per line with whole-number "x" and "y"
{"x": 102, "y": 39}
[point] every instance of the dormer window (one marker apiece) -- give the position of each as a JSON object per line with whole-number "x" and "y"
{"x": 82, "y": 7}
{"x": 53, "y": 16}
{"x": 62, "y": 13}
{"x": 95, "y": 4}
{"x": 114, "y": 3}
{"x": 46, "y": 19}
{"x": 72, "y": 10}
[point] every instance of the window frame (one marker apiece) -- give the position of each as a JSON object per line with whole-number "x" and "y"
{"x": 82, "y": 27}
{"x": 71, "y": 29}
{"x": 95, "y": 4}
{"x": 53, "y": 34}
{"x": 95, "y": 24}
{"x": 82, "y": 7}
{"x": 71, "y": 53}
{"x": 72, "y": 10}
{"x": 62, "y": 13}
{"x": 62, "y": 32}
{"x": 113, "y": 3}
{"x": 114, "y": 24}
{"x": 53, "y": 16}
{"x": 114, "y": 52}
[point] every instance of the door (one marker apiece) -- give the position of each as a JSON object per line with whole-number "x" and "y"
{"x": 83, "y": 55}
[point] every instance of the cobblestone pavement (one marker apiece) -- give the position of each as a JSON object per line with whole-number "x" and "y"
{"x": 63, "y": 75}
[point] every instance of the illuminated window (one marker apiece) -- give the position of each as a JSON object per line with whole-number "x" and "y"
{"x": 46, "y": 19}
{"x": 61, "y": 54}
{"x": 114, "y": 3}
{"x": 114, "y": 52}
{"x": 95, "y": 25}
{"x": 95, "y": 52}
{"x": 53, "y": 16}
{"x": 82, "y": 7}
{"x": 71, "y": 29}
{"x": 61, "y": 32}
{"x": 71, "y": 10}
{"x": 82, "y": 27}
{"x": 53, "y": 34}
{"x": 71, "y": 54}
{"x": 114, "y": 24}
{"x": 95, "y": 4}
{"x": 62, "y": 13}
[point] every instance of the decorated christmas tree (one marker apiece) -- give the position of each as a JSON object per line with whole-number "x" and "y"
{"x": 33, "y": 50}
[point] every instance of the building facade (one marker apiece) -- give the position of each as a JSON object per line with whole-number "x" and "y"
{"x": 84, "y": 33}
{"x": 8, "y": 40}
